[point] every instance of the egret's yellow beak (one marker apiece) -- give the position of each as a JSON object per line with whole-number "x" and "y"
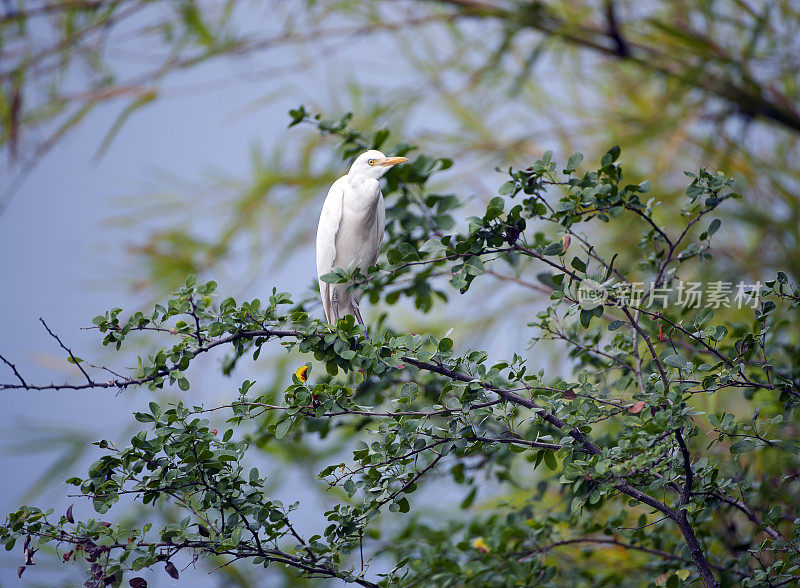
{"x": 387, "y": 161}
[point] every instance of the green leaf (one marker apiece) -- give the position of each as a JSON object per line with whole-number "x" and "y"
{"x": 742, "y": 446}
{"x": 282, "y": 428}
{"x": 614, "y": 325}
{"x": 573, "y": 162}
{"x": 380, "y": 137}
{"x": 703, "y": 316}
{"x": 675, "y": 361}
{"x": 713, "y": 227}
{"x": 433, "y": 246}
{"x": 469, "y": 498}
{"x": 546, "y": 278}
{"x": 474, "y": 266}
{"x": 297, "y": 115}
{"x": 578, "y": 264}
{"x": 506, "y": 189}
{"x": 445, "y": 163}
{"x": 408, "y": 251}
{"x": 459, "y": 281}
{"x": 611, "y": 156}
{"x": 334, "y": 278}
{"x": 554, "y": 248}
{"x": 393, "y": 256}
{"x": 494, "y": 208}
{"x": 550, "y": 460}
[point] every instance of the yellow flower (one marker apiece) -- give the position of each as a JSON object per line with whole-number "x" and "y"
{"x": 302, "y": 373}
{"x": 480, "y": 545}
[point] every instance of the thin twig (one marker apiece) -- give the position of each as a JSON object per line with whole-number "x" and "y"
{"x": 74, "y": 359}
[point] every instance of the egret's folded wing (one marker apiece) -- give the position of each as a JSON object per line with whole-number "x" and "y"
{"x": 381, "y": 222}
{"x": 329, "y": 220}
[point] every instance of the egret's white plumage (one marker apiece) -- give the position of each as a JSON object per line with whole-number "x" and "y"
{"x": 350, "y": 230}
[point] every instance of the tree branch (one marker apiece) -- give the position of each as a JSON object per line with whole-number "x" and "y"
{"x": 686, "y": 493}
{"x": 68, "y": 350}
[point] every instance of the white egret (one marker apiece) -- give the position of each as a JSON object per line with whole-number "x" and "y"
{"x": 350, "y": 230}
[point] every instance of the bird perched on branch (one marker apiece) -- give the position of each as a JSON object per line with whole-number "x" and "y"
{"x": 350, "y": 230}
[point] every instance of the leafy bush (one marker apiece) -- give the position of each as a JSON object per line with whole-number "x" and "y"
{"x": 626, "y": 472}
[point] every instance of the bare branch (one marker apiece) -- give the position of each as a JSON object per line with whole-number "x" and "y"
{"x": 74, "y": 359}
{"x": 22, "y": 382}
{"x": 686, "y": 493}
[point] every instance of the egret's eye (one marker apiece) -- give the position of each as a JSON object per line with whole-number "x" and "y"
{"x": 371, "y": 162}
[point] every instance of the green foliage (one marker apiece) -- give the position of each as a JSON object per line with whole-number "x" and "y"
{"x": 626, "y": 464}
{"x": 670, "y": 82}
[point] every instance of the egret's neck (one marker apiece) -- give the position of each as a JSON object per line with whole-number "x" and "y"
{"x": 363, "y": 181}
{"x": 363, "y": 191}
{"x": 371, "y": 174}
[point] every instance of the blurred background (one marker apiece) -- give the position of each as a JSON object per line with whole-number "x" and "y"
{"x": 143, "y": 140}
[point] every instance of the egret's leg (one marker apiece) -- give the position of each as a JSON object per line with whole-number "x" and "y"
{"x": 357, "y": 314}
{"x": 355, "y": 304}
{"x": 335, "y": 305}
